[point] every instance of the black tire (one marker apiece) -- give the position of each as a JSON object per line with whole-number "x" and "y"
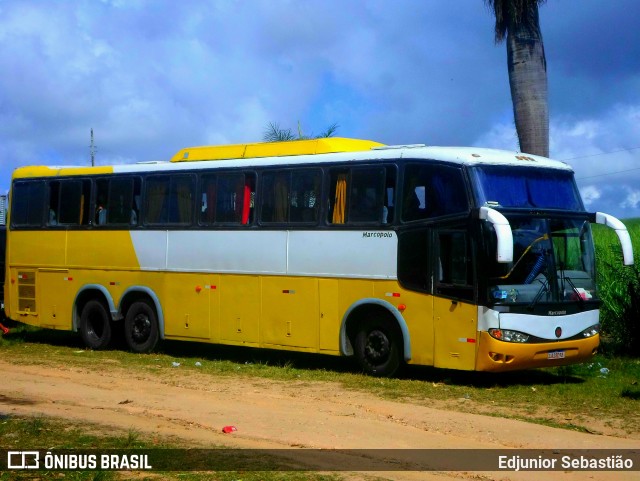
{"x": 378, "y": 348}
{"x": 141, "y": 331}
{"x": 95, "y": 325}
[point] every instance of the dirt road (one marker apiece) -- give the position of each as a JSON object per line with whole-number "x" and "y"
{"x": 276, "y": 414}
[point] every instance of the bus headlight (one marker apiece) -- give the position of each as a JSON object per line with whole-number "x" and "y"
{"x": 508, "y": 335}
{"x": 591, "y": 331}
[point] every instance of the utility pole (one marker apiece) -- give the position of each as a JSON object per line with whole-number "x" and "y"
{"x": 92, "y": 150}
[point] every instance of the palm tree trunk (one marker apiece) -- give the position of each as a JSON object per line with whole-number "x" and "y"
{"x": 528, "y": 80}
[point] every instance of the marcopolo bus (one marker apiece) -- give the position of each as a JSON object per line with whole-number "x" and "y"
{"x": 461, "y": 258}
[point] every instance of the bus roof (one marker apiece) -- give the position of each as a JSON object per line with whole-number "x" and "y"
{"x": 274, "y": 149}
{"x": 304, "y": 152}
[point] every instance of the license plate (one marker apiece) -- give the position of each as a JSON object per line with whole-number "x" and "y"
{"x": 555, "y": 355}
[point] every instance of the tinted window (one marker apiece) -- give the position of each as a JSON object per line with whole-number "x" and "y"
{"x": 291, "y": 196}
{"x": 454, "y": 266}
{"x": 27, "y": 203}
{"x": 413, "y": 259}
{"x": 432, "y": 191}
{"x": 526, "y": 187}
{"x": 117, "y": 201}
{"x": 169, "y": 199}
{"x": 227, "y": 199}
{"x": 361, "y": 195}
{"x": 69, "y": 202}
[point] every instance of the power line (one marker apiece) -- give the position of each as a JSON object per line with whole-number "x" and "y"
{"x": 608, "y": 173}
{"x": 605, "y": 153}
{"x": 602, "y": 153}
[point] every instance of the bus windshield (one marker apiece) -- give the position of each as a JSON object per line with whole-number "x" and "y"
{"x": 553, "y": 261}
{"x": 521, "y": 187}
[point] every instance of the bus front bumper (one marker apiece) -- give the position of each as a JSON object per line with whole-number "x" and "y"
{"x": 495, "y": 356}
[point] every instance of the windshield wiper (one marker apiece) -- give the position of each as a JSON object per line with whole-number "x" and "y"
{"x": 544, "y": 288}
{"x": 573, "y": 286}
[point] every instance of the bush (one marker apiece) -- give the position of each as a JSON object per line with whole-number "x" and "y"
{"x": 619, "y": 289}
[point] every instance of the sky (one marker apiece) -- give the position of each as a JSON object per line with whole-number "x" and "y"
{"x": 151, "y": 77}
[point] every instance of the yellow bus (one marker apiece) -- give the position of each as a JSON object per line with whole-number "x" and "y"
{"x": 461, "y": 258}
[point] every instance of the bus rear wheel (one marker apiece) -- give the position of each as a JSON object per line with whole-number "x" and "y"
{"x": 95, "y": 325}
{"x": 377, "y": 348}
{"x": 141, "y": 327}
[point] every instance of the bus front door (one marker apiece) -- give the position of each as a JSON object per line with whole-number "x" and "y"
{"x": 454, "y": 313}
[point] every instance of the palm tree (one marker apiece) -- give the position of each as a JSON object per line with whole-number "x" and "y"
{"x": 518, "y": 21}
{"x": 274, "y": 133}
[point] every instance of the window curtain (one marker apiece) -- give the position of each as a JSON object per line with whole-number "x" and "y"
{"x": 156, "y": 194}
{"x": 340, "y": 203}
{"x": 246, "y": 204}
{"x": 281, "y": 191}
{"x": 184, "y": 201}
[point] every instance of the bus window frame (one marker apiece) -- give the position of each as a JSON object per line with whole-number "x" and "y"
{"x": 290, "y": 171}
{"x": 171, "y": 176}
{"x": 400, "y": 201}
{"x": 217, "y": 173}
{"x": 45, "y": 192}
{"x": 450, "y": 290}
{"x": 134, "y": 177}
{"x": 387, "y": 166}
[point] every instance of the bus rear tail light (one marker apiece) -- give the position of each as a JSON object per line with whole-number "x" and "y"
{"x": 508, "y": 335}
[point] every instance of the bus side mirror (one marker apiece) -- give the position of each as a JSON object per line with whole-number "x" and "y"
{"x": 622, "y": 233}
{"x": 504, "y": 235}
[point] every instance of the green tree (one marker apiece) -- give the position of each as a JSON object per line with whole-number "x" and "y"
{"x": 518, "y": 22}
{"x": 275, "y": 133}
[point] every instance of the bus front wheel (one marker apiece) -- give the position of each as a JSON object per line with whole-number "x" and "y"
{"x": 95, "y": 325}
{"x": 141, "y": 327}
{"x": 377, "y": 348}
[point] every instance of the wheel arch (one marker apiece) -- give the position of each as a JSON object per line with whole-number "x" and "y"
{"x": 87, "y": 293}
{"x": 359, "y": 311}
{"x": 137, "y": 293}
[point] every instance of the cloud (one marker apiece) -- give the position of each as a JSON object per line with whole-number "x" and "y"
{"x": 590, "y": 194}
{"x": 151, "y": 77}
{"x": 632, "y": 200}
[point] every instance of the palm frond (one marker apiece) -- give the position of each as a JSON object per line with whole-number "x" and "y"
{"x": 274, "y": 133}
{"x": 329, "y": 132}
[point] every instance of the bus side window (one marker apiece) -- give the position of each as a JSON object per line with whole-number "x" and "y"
{"x": 432, "y": 191}
{"x": 366, "y": 195}
{"x": 156, "y": 205}
{"x": 235, "y": 198}
{"x": 120, "y": 200}
{"x": 207, "y": 199}
{"x": 102, "y": 196}
{"x": 275, "y": 196}
{"x": 291, "y": 196}
{"x": 27, "y": 203}
{"x": 413, "y": 259}
{"x": 304, "y": 196}
{"x": 361, "y": 195}
{"x": 181, "y": 199}
{"x": 338, "y": 182}
{"x": 54, "y": 198}
{"x": 454, "y": 266}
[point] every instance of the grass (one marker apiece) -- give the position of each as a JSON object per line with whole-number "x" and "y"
{"x": 619, "y": 289}
{"x": 587, "y": 397}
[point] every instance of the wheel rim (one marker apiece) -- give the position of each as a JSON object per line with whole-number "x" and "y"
{"x": 377, "y": 347}
{"x": 141, "y": 328}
